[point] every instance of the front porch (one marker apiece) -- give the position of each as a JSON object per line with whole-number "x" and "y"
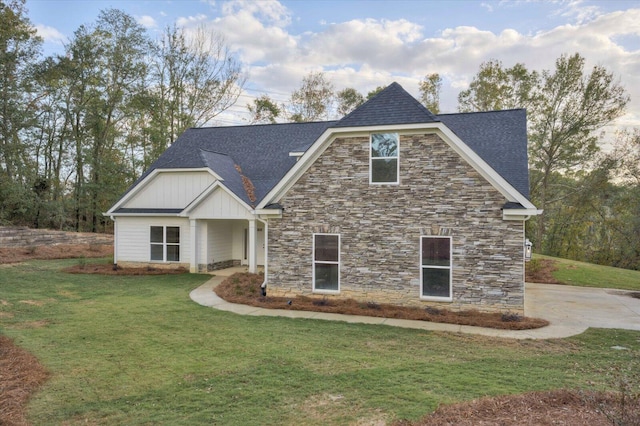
{"x": 222, "y": 244}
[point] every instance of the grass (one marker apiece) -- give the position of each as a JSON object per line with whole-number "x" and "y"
{"x": 572, "y": 272}
{"x": 135, "y": 350}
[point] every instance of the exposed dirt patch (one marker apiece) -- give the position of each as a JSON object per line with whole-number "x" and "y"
{"x": 557, "y": 407}
{"x": 541, "y": 271}
{"x": 245, "y": 288}
{"x": 20, "y": 376}
{"x": 106, "y": 269}
{"x": 58, "y": 251}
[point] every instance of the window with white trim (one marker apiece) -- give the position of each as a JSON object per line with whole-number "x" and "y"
{"x": 165, "y": 243}
{"x": 435, "y": 268}
{"x": 326, "y": 262}
{"x": 384, "y": 157}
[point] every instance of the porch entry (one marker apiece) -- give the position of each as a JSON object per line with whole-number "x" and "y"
{"x": 260, "y": 246}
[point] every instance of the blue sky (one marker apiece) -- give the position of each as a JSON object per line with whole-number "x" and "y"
{"x": 365, "y": 44}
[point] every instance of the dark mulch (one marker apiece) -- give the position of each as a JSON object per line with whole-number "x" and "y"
{"x": 20, "y": 376}
{"x": 244, "y": 288}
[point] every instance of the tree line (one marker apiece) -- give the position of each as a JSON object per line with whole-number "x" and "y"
{"x": 77, "y": 129}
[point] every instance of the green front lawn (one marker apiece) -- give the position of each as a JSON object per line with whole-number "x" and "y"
{"x": 583, "y": 274}
{"x": 137, "y": 350}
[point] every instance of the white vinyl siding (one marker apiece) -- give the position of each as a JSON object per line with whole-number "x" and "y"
{"x": 220, "y": 205}
{"x": 220, "y": 241}
{"x": 133, "y": 237}
{"x": 326, "y": 263}
{"x": 435, "y": 268}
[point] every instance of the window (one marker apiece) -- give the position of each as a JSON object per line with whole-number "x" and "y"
{"x": 435, "y": 265}
{"x": 165, "y": 243}
{"x": 326, "y": 262}
{"x": 385, "y": 158}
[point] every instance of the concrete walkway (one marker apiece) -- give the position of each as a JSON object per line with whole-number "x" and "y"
{"x": 570, "y": 310}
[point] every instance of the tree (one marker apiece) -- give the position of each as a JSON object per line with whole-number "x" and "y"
{"x": 497, "y": 88}
{"x": 570, "y": 107}
{"x": 19, "y": 52}
{"x": 566, "y": 108}
{"x": 375, "y": 91}
{"x": 348, "y": 100}
{"x": 313, "y": 100}
{"x": 430, "y": 92}
{"x": 263, "y": 110}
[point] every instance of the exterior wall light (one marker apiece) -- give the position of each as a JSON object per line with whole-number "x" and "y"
{"x": 528, "y": 246}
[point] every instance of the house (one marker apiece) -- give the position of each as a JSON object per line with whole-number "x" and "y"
{"x": 390, "y": 204}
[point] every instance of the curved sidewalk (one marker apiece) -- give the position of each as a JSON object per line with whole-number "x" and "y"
{"x": 570, "y": 310}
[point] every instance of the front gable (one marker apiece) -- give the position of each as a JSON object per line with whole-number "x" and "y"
{"x": 218, "y": 203}
{"x": 167, "y": 189}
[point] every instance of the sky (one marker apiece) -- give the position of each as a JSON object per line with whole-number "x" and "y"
{"x": 366, "y": 44}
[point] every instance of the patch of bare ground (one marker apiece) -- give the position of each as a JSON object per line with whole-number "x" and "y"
{"x": 541, "y": 271}
{"x": 245, "y": 288}
{"x": 20, "y": 376}
{"x": 109, "y": 269}
{"x": 57, "y": 251}
{"x": 556, "y": 407}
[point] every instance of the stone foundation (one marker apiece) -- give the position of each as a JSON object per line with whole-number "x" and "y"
{"x": 218, "y": 265}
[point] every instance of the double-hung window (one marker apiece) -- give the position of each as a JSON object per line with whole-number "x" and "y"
{"x": 165, "y": 243}
{"x": 435, "y": 268}
{"x": 384, "y": 157}
{"x": 326, "y": 262}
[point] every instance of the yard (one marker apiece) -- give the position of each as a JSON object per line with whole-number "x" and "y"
{"x": 136, "y": 350}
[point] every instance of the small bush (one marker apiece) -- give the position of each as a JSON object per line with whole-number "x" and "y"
{"x": 373, "y": 305}
{"x": 511, "y": 317}
{"x": 82, "y": 262}
{"x": 321, "y": 302}
{"x": 432, "y": 311}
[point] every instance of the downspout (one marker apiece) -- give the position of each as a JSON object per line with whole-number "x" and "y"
{"x": 263, "y": 286}
{"x": 115, "y": 242}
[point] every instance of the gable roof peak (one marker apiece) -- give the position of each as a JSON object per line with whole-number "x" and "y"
{"x": 393, "y": 105}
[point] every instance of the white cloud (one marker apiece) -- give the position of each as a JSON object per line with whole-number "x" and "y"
{"x": 366, "y": 53}
{"x": 147, "y": 21}
{"x": 50, "y": 34}
{"x": 189, "y": 21}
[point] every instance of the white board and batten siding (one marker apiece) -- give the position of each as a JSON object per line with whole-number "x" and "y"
{"x": 133, "y": 237}
{"x": 220, "y": 205}
{"x": 171, "y": 190}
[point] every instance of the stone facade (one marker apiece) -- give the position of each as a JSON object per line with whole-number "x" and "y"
{"x": 380, "y": 228}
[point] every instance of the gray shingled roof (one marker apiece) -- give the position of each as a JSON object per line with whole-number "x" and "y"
{"x": 393, "y": 105}
{"x": 262, "y": 151}
{"x": 499, "y": 138}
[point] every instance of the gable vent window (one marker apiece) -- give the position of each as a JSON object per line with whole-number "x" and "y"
{"x": 384, "y": 158}
{"x": 435, "y": 271}
{"x": 165, "y": 243}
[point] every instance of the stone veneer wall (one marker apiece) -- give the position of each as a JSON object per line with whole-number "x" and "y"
{"x": 380, "y": 228}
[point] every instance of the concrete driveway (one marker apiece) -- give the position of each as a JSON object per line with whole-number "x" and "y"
{"x": 570, "y": 311}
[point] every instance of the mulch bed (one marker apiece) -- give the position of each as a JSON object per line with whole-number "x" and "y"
{"x": 244, "y": 288}
{"x": 109, "y": 269}
{"x": 20, "y": 376}
{"x": 556, "y": 407}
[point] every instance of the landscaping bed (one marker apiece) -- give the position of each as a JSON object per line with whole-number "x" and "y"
{"x": 245, "y": 288}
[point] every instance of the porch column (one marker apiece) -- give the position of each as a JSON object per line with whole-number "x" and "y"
{"x": 253, "y": 251}
{"x": 193, "y": 236}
